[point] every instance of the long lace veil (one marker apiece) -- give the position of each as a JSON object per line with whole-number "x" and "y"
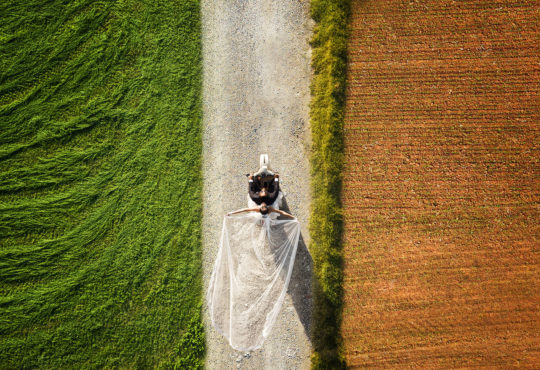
{"x": 250, "y": 277}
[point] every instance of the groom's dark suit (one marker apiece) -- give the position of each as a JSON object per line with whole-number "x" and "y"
{"x": 272, "y": 192}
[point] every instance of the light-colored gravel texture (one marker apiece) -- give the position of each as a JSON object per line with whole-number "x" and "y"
{"x": 256, "y": 96}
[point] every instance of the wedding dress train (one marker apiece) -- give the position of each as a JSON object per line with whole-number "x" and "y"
{"x": 251, "y": 275}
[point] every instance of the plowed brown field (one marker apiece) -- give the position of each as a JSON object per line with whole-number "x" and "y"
{"x": 442, "y": 184}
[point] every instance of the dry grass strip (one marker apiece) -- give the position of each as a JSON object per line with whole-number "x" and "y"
{"x": 326, "y": 222}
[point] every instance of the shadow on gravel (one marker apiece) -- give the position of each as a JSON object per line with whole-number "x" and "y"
{"x": 301, "y": 279}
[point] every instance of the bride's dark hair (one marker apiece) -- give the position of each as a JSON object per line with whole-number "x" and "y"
{"x": 263, "y": 209}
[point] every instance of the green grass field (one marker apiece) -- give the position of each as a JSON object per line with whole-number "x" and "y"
{"x": 100, "y": 184}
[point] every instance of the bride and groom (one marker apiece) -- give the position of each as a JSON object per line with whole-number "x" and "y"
{"x": 254, "y": 264}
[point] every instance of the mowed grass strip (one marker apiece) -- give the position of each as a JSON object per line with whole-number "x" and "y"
{"x": 441, "y": 186}
{"x": 326, "y": 223}
{"x": 100, "y": 184}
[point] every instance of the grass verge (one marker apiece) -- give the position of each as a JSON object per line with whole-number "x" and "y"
{"x": 100, "y": 184}
{"x": 329, "y": 63}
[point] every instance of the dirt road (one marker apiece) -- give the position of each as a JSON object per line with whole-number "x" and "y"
{"x": 256, "y": 97}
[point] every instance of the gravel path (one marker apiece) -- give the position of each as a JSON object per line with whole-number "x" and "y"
{"x": 256, "y": 97}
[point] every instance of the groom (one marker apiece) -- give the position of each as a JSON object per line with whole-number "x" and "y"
{"x": 261, "y": 192}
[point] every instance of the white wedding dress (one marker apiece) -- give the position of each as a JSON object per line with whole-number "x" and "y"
{"x": 251, "y": 275}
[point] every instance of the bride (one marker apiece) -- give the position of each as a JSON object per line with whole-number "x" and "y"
{"x": 251, "y": 273}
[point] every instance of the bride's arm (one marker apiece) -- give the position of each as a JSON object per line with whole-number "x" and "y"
{"x": 243, "y": 210}
{"x": 280, "y": 212}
